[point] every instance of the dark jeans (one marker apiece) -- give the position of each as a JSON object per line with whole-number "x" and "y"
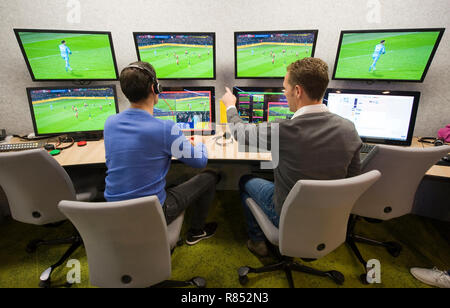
{"x": 261, "y": 191}
{"x": 197, "y": 193}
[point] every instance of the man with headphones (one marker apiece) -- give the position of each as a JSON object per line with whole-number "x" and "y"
{"x": 139, "y": 149}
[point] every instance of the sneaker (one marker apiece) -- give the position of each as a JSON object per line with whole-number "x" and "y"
{"x": 258, "y": 248}
{"x": 433, "y": 277}
{"x": 195, "y": 236}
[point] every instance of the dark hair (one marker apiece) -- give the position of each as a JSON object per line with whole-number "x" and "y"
{"x": 311, "y": 74}
{"x": 136, "y": 83}
{"x": 62, "y": 42}
{"x": 383, "y": 41}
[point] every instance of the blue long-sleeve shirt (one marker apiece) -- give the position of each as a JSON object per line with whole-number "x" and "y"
{"x": 139, "y": 150}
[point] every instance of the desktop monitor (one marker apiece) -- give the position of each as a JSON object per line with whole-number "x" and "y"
{"x": 392, "y": 55}
{"x": 191, "y": 108}
{"x": 257, "y": 105}
{"x": 177, "y": 55}
{"x": 386, "y": 117}
{"x": 53, "y": 55}
{"x": 66, "y": 110}
{"x": 267, "y": 54}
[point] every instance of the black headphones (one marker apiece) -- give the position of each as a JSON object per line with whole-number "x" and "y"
{"x": 432, "y": 140}
{"x": 157, "y": 88}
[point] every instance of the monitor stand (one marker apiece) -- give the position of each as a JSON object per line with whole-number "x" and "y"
{"x": 91, "y": 136}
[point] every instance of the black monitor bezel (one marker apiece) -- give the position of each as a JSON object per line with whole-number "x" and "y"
{"x": 213, "y": 34}
{"x": 236, "y": 34}
{"x": 257, "y": 89}
{"x": 16, "y": 32}
{"x": 212, "y": 89}
{"x": 412, "y": 120}
{"x": 430, "y": 59}
{"x": 33, "y": 118}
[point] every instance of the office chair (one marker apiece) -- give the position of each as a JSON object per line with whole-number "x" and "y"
{"x": 34, "y": 183}
{"x": 128, "y": 244}
{"x": 313, "y": 223}
{"x": 402, "y": 170}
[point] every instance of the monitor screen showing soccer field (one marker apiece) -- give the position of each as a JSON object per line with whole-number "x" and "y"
{"x": 70, "y": 110}
{"x": 396, "y": 55}
{"x": 178, "y": 55}
{"x": 68, "y": 55}
{"x": 192, "y": 109}
{"x": 267, "y": 54}
{"x": 257, "y": 105}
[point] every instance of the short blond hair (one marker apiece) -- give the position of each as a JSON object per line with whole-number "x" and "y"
{"x": 311, "y": 74}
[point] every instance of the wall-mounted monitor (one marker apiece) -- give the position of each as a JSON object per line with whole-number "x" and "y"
{"x": 62, "y": 110}
{"x": 258, "y": 104}
{"x": 177, "y": 55}
{"x": 266, "y": 54}
{"x": 191, "y": 108}
{"x": 391, "y": 55}
{"x": 55, "y": 55}
{"x": 386, "y": 117}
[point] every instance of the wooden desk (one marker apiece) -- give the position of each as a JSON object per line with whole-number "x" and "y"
{"x": 94, "y": 153}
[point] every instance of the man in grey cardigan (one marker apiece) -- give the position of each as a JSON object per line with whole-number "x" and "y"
{"x": 314, "y": 144}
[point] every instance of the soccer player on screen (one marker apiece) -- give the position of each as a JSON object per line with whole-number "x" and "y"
{"x": 65, "y": 52}
{"x": 379, "y": 50}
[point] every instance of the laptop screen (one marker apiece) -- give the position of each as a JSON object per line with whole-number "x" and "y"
{"x": 379, "y": 116}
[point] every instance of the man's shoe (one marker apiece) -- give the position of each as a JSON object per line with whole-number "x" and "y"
{"x": 195, "y": 236}
{"x": 258, "y": 248}
{"x": 433, "y": 277}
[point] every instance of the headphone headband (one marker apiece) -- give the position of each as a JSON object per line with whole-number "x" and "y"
{"x": 157, "y": 87}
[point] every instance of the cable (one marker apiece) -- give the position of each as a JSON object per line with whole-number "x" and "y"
{"x": 226, "y": 136}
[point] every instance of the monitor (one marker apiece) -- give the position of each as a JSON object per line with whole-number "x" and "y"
{"x": 257, "y": 104}
{"x": 191, "y": 108}
{"x": 392, "y": 55}
{"x": 178, "y": 55}
{"x": 63, "y": 110}
{"x": 267, "y": 54}
{"x": 53, "y": 55}
{"x": 386, "y": 117}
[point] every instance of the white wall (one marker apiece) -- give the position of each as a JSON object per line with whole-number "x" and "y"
{"x": 224, "y": 17}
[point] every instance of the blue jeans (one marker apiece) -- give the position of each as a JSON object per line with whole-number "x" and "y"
{"x": 261, "y": 191}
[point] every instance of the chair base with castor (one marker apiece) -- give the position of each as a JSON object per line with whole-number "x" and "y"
{"x": 288, "y": 265}
{"x": 393, "y": 248}
{"x": 198, "y": 282}
{"x": 45, "y": 278}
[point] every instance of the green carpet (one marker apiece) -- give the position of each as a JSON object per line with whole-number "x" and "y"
{"x": 218, "y": 258}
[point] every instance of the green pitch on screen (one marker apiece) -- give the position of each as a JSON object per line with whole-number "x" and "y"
{"x": 279, "y": 113}
{"x": 199, "y": 104}
{"x": 198, "y": 62}
{"x": 91, "y": 56}
{"x": 259, "y": 62}
{"x": 406, "y": 55}
{"x": 57, "y": 116}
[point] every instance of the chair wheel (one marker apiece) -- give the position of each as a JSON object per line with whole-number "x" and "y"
{"x": 337, "y": 277}
{"x": 394, "y": 248}
{"x": 363, "y": 278}
{"x": 44, "y": 284}
{"x": 243, "y": 280}
{"x": 199, "y": 282}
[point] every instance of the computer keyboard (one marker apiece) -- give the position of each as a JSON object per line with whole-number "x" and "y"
{"x": 366, "y": 148}
{"x": 7, "y": 147}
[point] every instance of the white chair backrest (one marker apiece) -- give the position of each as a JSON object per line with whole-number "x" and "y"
{"x": 126, "y": 241}
{"x": 34, "y": 183}
{"x": 315, "y": 215}
{"x": 402, "y": 170}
